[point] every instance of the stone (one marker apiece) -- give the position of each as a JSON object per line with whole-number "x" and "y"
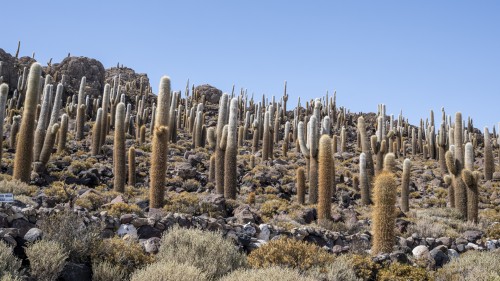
{"x": 76, "y": 272}
{"x": 440, "y": 257}
{"x": 147, "y": 231}
{"x": 460, "y": 248}
{"x": 473, "y": 246}
{"x": 33, "y": 235}
{"x": 243, "y": 214}
{"x": 453, "y": 254}
{"x": 399, "y": 256}
{"x": 446, "y": 241}
{"x": 23, "y": 225}
{"x": 472, "y": 235}
{"x": 265, "y": 232}
{"x": 152, "y": 245}
{"x": 307, "y": 215}
{"x": 248, "y": 229}
{"x": 127, "y": 218}
{"x": 127, "y": 229}
{"x": 490, "y": 245}
{"x": 421, "y": 252}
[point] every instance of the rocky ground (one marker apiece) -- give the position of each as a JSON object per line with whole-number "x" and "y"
{"x": 80, "y": 186}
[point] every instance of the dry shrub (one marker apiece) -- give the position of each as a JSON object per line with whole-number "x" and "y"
{"x": 270, "y": 273}
{"x": 118, "y": 209}
{"x": 184, "y": 202}
{"x": 340, "y": 269}
{"x": 128, "y": 255}
{"x": 9, "y": 264}
{"x": 402, "y": 272}
{"x": 169, "y": 271}
{"x": 479, "y": 266}
{"x": 17, "y": 187}
{"x": 10, "y": 277}
{"x": 290, "y": 253}
{"x": 72, "y": 233}
{"x": 206, "y": 250}
{"x": 47, "y": 259}
{"x": 105, "y": 271}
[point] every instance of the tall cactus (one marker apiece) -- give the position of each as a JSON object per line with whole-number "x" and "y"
{"x": 219, "y": 149}
{"x": 211, "y": 170}
{"x": 405, "y": 186}
{"x": 14, "y": 129}
{"x": 48, "y": 146}
{"x": 379, "y": 148}
{"x": 96, "y": 133}
{"x": 363, "y": 180}
{"x": 105, "y": 109}
{"x": 383, "y": 214}
{"x": 80, "y": 114}
{"x": 326, "y": 176}
{"x": 312, "y": 135}
{"x": 301, "y": 185}
{"x": 489, "y": 161}
{"x": 159, "y": 147}
{"x": 41, "y": 127}
{"x": 266, "y": 137}
{"x": 4, "y": 91}
{"x": 119, "y": 151}
{"x": 365, "y": 147}
{"x": 459, "y": 188}
{"x": 471, "y": 179}
{"x": 442, "y": 142}
{"x": 25, "y": 139}
{"x": 230, "y": 165}
{"x": 63, "y": 134}
{"x": 131, "y": 166}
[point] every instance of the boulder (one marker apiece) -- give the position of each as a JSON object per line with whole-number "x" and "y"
{"x": 212, "y": 94}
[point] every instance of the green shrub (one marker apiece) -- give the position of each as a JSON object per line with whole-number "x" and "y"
{"x": 184, "y": 202}
{"x": 70, "y": 231}
{"x": 206, "y": 250}
{"x": 364, "y": 266}
{"x": 402, "y": 272}
{"x": 128, "y": 255}
{"x": 105, "y": 271}
{"x": 290, "y": 253}
{"x": 270, "y": 273}
{"x": 9, "y": 264}
{"x": 47, "y": 259}
{"x": 169, "y": 271}
{"x": 471, "y": 266}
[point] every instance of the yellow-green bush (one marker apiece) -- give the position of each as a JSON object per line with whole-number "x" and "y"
{"x": 9, "y": 264}
{"x": 472, "y": 265}
{"x": 118, "y": 209}
{"x": 364, "y": 267}
{"x": 184, "y": 202}
{"x": 128, "y": 255}
{"x": 59, "y": 191}
{"x": 290, "y": 253}
{"x": 402, "y": 272}
{"x": 169, "y": 271}
{"x": 17, "y": 187}
{"x": 271, "y": 273}
{"x": 273, "y": 207}
{"x": 47, "y": 259}
{"x": 91, "y": 201}
{"x": 206, "y": 250}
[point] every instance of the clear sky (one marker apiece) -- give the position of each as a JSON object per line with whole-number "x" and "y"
{"x": 410, "y": 55}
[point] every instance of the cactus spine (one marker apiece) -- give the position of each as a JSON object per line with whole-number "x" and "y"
{"x": 405, "y": 186}
{"x": 24, "y": 147}
{"x": 131, "y": 166}
{"x": 326, "y": 176}
{"x": 159, "y": 147}
{"x": 489, "y": 161}
{"x": 383, "y": 214}
{"x": 230, "y": 165}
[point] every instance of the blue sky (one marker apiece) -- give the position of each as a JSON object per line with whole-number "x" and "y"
{"x": 410, "y": 55}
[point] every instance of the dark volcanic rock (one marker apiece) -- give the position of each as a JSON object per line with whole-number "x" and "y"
{"x": 75, "y": 68}
{"x": 212, "y": 94}
{"x": 9, "y": 69}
